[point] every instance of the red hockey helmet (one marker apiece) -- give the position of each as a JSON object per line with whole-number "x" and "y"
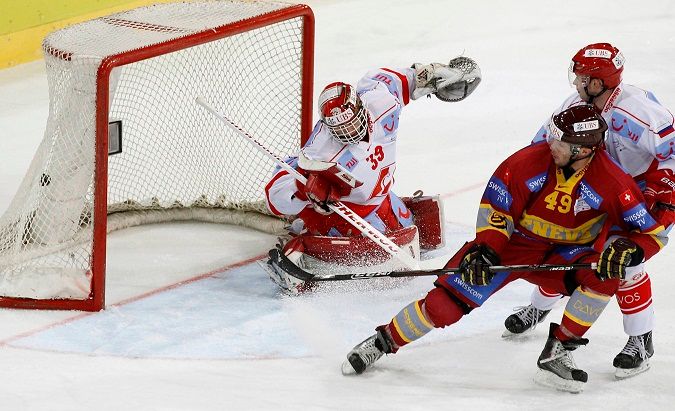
{"x": 580, "y": 125}
{"x": 600, "y": 60}
{"x": 342, "y": 111}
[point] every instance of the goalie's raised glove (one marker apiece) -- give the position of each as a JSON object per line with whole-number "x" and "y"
{"x": 448, "y": 82}
{"x": 618, "y": 255}
{"x": 476, "y": 263}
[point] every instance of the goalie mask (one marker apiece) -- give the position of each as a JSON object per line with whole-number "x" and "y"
{"x": 342, "y": 111}
{"x": 579, "y": 125}
{"x": 600, "y": 60}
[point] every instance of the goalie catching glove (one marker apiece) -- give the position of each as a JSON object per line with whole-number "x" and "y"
{"x": 448, "y": 82}
{"x": 618, "y": 255}
{"x": 476, "y": 263}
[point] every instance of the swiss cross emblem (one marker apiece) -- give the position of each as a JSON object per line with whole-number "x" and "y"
{"x": 626, "y": 197}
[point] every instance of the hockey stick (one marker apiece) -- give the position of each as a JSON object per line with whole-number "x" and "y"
{"x": 288, "y": 266}
{"x": 338, "y": 207}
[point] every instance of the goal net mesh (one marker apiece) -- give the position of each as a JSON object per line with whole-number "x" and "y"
{"x": 167, "y": 154}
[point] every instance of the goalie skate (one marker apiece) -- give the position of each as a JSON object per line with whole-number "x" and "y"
{"x": 634, "y": 358}
{"x": 288, "y": 284}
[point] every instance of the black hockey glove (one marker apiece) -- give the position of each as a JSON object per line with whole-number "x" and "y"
{"x": 475, "y": 266}
{"x": 618, "y": 255}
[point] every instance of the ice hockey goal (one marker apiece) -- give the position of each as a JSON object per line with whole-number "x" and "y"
{"x": 125, "y": 143}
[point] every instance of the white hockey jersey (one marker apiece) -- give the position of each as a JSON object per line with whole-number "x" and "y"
{"x": 372, "y": 161}
{"x": 640, "y": 133}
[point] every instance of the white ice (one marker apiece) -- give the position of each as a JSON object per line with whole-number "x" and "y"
{"x": 182, "y": 332}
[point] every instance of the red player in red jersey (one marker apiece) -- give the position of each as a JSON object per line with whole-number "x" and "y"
{"x": 640, "y": 138}
{"x": 559, "y": 202}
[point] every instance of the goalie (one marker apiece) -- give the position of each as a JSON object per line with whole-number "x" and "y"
{"x": 350, "y": 157}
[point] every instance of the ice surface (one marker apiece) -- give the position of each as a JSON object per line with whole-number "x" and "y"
{"x": 181, "y": 332}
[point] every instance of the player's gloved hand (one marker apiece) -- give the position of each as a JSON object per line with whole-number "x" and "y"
{"x": 320, "y": 192}
{"x": 476, "y": 263}
{"x": 618, "y": 255}
{"x": 448, "y": 82}
{"x": 660, "y": 196}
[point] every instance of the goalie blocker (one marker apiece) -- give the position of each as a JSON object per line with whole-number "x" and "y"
{"x": 317, "y": 254}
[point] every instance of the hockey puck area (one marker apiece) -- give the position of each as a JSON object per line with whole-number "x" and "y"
{"x": 231, "y": 314}
{"x": 159, "y": 308}
{"x": 234, "y": 314}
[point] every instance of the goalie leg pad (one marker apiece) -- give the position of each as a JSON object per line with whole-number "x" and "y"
{"x": 328, "y": 254}
{"x": 428, "y": 216}
{"x": 358, "y": 251}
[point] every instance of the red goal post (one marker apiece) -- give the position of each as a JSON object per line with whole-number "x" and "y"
{"x": 125, "y": 144}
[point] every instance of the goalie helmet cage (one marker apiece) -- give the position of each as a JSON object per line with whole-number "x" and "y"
{"x": 126, "y": 144}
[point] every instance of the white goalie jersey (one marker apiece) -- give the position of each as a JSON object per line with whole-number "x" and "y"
{"x": 371, "y": 161}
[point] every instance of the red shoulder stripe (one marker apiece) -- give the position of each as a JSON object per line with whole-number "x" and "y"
{"x": 404, "y": 85}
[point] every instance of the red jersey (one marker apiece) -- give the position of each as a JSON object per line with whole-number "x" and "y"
{"x": 528, "y": 193}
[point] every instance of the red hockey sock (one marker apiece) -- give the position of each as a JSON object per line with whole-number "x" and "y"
{"x": 582, "y": 310}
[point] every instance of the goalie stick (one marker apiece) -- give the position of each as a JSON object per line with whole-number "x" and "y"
{"x": 338, "y": 207}
{"x": 289, "y": 267}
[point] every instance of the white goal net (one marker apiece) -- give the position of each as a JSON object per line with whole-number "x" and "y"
{"x": 126, "y": 144}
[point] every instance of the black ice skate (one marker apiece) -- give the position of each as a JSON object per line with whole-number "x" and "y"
{"x": 366, "y": 353}
{"x": 556, "y": 365}
{"x": 634, "y": 358}
{"x": 524, "y": 320}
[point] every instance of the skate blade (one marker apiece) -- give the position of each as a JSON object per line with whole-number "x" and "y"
{"x": 623, "y": 373}
{"x": 347, "y": 368}
{"x": 508, "y": 335}
{"x": 549, "y": 379}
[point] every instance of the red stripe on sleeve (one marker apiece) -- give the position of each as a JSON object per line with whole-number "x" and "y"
{"x": 404, "y": 84}
{"x": 267, "y": 191}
